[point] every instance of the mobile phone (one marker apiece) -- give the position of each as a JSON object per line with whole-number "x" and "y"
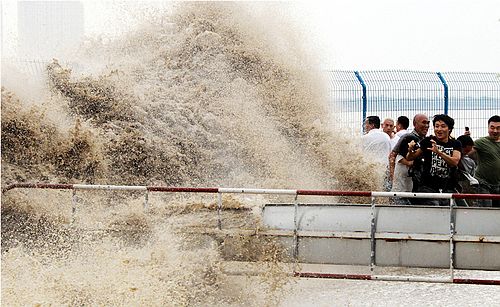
{"x": 466, "y": 128}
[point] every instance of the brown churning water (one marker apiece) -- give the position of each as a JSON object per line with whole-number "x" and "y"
{"x": 199, "y": 97}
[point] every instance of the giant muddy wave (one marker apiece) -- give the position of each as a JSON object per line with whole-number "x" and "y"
{"x": 195, "y": 97}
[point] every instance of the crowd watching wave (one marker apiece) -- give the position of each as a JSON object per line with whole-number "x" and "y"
{"x": 436, "y": 163}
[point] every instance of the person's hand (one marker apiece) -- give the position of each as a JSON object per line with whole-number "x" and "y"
{"x": 434, "y": 147}
{"x": 411, "y": 145}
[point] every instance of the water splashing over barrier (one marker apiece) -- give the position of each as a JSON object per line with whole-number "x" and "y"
{"x": 195, "y": 98}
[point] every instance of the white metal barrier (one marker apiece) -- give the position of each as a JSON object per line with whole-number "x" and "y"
{"x": 296, "y": 193}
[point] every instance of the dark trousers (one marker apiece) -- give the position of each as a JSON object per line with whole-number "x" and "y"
{"x": 429, "y": 201}
{"x": 484, "y": 188}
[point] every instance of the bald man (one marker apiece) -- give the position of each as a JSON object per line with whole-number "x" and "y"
{"x": 402, "y": 182}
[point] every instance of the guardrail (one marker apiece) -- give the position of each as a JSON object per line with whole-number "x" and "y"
{"x": 371, "y": 194}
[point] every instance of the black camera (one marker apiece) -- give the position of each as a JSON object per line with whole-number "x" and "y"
{"x": 416, "y": 146}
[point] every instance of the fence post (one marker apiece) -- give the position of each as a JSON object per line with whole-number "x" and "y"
{"x": 445, "y": 85}
{"x": 363, "y": 85}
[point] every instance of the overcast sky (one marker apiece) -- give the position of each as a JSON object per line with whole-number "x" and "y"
{"x": 436, "y": 35}
{"x": 409, "y": 34}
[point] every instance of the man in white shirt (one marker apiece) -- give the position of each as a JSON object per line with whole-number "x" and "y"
{"x": 388, "y": 127}
{"x": 375, "y": 141}
{"x": 402, "y": 125}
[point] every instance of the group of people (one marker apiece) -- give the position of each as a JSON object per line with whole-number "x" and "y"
{"x": 438, "y": 163}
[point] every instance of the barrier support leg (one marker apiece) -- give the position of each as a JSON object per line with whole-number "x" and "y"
{"x": 372, "y": 235}
{"x": 219, "y": 209}
{"x": 452, "y": 233}
{"x": 295, "y": 230}
{"x": 73, "y": 206}
{"x": 146, "y": 205}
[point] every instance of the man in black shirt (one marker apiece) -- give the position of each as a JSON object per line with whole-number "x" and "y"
{"x": 441, "y": 155}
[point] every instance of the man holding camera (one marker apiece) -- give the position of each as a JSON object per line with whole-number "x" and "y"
{"x": 441, "y": 155}
{"x": 407, "y": 173}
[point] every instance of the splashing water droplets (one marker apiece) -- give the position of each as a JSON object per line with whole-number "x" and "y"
{"x": 197, "y": 97}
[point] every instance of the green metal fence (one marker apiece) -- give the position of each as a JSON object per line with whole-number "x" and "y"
{"x": 470, "y": 98}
